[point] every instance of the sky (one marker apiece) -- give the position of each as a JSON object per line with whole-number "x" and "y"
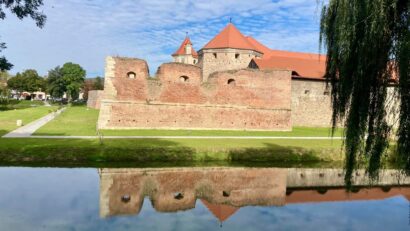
{"x": 86, "y": 31}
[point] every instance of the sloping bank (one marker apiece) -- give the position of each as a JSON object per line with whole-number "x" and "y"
{"x": 167, "y": 150}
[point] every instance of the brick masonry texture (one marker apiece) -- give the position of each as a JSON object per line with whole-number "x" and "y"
{"x": 178, "y": 98}
{"x": 94, "y": 99}
{"x": 311, "y": 103}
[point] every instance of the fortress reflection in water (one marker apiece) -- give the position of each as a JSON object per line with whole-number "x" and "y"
{"x": 224, "y": 190}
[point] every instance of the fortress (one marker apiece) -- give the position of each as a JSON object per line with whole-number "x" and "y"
{"x": 233, "y": 83}
{"x": 225, "y": 190}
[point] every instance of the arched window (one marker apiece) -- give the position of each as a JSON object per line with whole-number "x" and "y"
{"x": 131, "y": 75}
{"x": 231, "y": 82}
{"x": 183, "y": 78}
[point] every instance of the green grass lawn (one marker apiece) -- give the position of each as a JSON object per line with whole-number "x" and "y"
{"x": 75, "y": 120}
{"x": 165, "y": 150}
{"x": 8, "y": 118}
{"x": 79, "y": 120}
{"x": 19, "y": 104}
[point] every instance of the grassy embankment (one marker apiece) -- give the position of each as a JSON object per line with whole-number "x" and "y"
{"x": 81, "y": 121}
{"x": 168, "y": 150}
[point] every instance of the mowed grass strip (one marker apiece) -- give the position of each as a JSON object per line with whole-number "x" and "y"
{"x": 8, "y": 118}
{"x": 75, "y": 120}
{"x": 163, "y": 150}
{"x": 296, "y": 132}
{"x": 81, "y": 121}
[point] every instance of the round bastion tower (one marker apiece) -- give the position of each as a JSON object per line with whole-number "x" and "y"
{"x": 229, "y": 50}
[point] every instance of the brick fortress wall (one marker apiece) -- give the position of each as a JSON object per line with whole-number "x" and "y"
{"x": 178, "y": 98}
{"x": 94, "y": 99}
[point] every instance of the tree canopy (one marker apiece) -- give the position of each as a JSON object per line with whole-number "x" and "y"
{"x": 367, "y": 44}
{"x": 29, "y": 80}
{"x": 69, "y": 78}
{"x": 55, "y": 83}
{"x": 22, "y": 9}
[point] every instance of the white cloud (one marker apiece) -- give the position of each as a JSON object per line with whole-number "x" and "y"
{"x": 86, "y": 31}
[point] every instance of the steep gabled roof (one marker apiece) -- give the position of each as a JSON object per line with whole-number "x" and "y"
{"x": 181, "y": 49}
{"x": 230, "y": 37}
{"x": 259, "y": 46}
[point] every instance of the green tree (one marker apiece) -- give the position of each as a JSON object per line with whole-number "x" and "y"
{"x": 73, "y": 76}
{"x": 98, "y": 83}
{"x": 368, "y": 46}
{"x": 29, "y": 80}
{"x": 22, "y": 9}
{"x": 55, "y": 83}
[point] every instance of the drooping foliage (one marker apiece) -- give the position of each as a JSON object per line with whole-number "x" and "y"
{"x": 367, "y": 44}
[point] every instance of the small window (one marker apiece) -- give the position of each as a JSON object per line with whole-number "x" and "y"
{"x": 215, "y": 55}
{"x": 125, "y": 198}
{"x": 236, "y": 56}
{"x": 131, "y": 75}
{"x": 194, "y": 61}
{"x": 178, "y": 196}
{"x": 183, "y": 79}
{"x": 231, "y": 82}
{"x": 307, "y": 92}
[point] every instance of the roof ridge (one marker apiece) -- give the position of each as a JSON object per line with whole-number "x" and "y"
{"x": 230, "y": 37}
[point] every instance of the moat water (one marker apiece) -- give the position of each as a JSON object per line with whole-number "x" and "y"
{"x": 211, "y": 198}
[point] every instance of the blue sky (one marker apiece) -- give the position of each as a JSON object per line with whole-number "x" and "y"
{"x": 86, "y": 31}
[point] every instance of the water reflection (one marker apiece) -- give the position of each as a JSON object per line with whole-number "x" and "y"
{"x": 161, "y": 199}
{"x": 223, "y": 191}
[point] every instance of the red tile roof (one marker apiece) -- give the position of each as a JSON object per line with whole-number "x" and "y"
{"x": 222, "y": 212}
{"x": 303, "y": 65}
{"x": 230, "y": 37}
{"x": 181, "y": 49}
{"x": 310, "y": 68}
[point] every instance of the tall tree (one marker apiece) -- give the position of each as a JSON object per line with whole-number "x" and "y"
{"x": 367, "y": 43}
{"x": 55, "y": 83}
{"x": 22, "y": 9}
{"x": 73, "y": 76}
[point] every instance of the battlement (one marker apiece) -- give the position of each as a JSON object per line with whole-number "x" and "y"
{"x": 178, "y": 97}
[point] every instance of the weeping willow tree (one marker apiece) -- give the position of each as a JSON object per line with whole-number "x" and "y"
{"x": 368, "y": 49}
